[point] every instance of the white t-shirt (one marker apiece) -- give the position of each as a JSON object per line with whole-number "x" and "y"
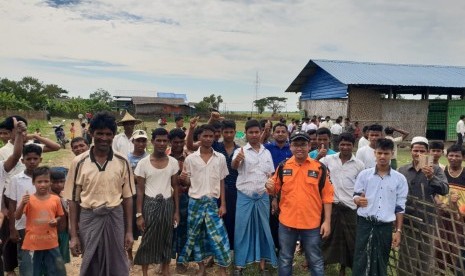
{"x": 157, "y": 181}
{"x": 336, "y": 129}
{"x": 3, "y": 176}
{"x": 363, "y": 142}
{"x": 122, "y": 144}
{"x": 366, "y": 154}
{"x": 20, "y": 183}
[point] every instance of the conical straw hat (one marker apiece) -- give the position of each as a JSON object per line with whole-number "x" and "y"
{"x": 129, "y": 118}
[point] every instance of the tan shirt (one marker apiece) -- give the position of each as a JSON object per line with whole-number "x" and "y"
{"x": 93, "y": 185}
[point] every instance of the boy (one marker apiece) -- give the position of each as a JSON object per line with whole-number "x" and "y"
{"x": 79, "y": 145}
{"x": 72, "y": 130}
{"x": 205, "y": 171}
{"x": 43, "y": 211}
{"x": 58, "y": 179}
{"x": 365, "y": 154}
{"x": 436, "y": 149}
{"x": 21, "y": 184}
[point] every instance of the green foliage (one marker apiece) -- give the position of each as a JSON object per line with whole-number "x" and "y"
{"x": 211, "y": 102}
{"x": 8, "y": 100}
{"x": 101, "y": 95}
{"x": 275, "y": 104}
{"x": 260, "y": 105}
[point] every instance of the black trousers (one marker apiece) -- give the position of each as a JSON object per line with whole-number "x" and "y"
{"x": 459, "y": 139}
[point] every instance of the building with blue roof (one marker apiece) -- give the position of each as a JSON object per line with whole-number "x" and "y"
{"x": 369, "y": 92}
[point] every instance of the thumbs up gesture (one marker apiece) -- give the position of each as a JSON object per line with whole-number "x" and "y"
{"x": 25, "y": 198}
{"x": 19, "y": 126}
{"x": 193, "y": 121}
{"x": 240, "y": 156}
{"x": 361, "y": 201}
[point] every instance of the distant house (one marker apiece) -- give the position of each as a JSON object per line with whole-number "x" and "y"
{"x": 369, "y": 93}
{"x": 168, "y": 105}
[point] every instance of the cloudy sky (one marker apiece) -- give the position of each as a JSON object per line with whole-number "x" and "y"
{"x": 200, "y": 47}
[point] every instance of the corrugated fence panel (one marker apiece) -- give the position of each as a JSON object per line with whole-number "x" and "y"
{"x": 323, "y": 86}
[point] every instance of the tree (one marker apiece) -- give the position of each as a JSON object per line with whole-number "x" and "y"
{"x": 202, "y": 107}
{"x": 275, "y": 104}
{"x": 53, "y": 91}
{"x": 101, "y": 95}
{"x": 213, "y": 101}
{"x": 260, "y": 105}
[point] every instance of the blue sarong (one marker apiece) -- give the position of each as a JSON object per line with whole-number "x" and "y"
{"x": 206, "y": 234}
{"x": 253, "y": 241}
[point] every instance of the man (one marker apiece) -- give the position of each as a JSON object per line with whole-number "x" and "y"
{"x": 323, "y": 136}
{"x": 205, "y": 171}
{"x": 312, "y": 125}
{"x": 179, "y": 122}
{"x": 349, "y": 127}
{"x": 327, "y": 123}
{"x": 380, "y": 194}
{"x": 291, "y": 127}
{"x": 79, "y": 145}
{"x": 339, "y": 247}
{"x": 122, "y": 142}
{"x": 389, "y": 131}
{"x": 280, "y": 151}
{"x": 336, "y": 130}
{"x": 313, "y": 143}
{"x": 302, "y": 201}
{"x": 305, "y": 122}
{"x": 425, "y": 183}
{"x": 460, "y": 129}
{"x": 364, "y": 139}
{"x": 101, "y": 182}
{"x": 366, "y": 153}
{"x": 254, "y": 165}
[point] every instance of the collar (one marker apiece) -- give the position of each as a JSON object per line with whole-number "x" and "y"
{"x": 197, "y": 152}
{"x": 23, "y": 175}
{"x": 352, "y": 158}
{"x": 410, "y": 166}
{"x": 293, "y": 161}
{"x": 248, "y": 147}
{"x": 376, "y": 170}
{"x": 92, "y": 157}
{"x": 286, "y": 144}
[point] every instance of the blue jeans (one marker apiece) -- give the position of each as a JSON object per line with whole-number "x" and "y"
{"x": 311, "y": 242}
{"x": 24, "y": 256}
{"x": 49, "y": 262}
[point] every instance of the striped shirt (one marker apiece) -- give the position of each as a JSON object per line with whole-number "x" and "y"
{"x": 254, "y": 171}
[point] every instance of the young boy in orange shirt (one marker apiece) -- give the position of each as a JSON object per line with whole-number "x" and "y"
{"x": 43, "y": 211}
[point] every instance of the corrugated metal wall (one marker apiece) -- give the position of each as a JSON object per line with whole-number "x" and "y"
{"x": 323, "y": 86}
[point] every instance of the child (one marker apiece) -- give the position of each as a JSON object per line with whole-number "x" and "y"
{"x": 436, "y": 149}
{"x": 43, "y": 211}
{"x": 58, "y": 179}
{"x": 72, "y": 130}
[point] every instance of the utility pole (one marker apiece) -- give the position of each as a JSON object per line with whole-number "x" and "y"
{"x": 257, "y": 87}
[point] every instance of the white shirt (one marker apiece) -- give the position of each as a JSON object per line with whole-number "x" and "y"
{"x": 363, "y": 142}
{"x": 303, "y": 127}
{"x": 344, "y": 177}
{"x": 254, "y": 171}
{"x": 326, "y": 124}
{"x": 311, "y": 126}
{"x": 460, "y": 128}
{"x": 290, "y": 127}
{"x": 366, "y": 154}
{"x": 396, "y": 141}
{"x": 3, "y": 176}
{"x": 122, "y": 144}
{"x": 336, "y": 129}
{"x": 157, "y": 181}
{"x": 19, "y": 185}
{"x": 206, "y": 178}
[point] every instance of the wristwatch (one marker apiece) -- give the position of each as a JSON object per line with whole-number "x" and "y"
{"x": 138, "y": 215}
{"x": 399, "y": 230}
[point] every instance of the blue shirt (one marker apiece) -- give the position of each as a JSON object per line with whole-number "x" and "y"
{"x": 314, "y": 153}
{"x": 386, "y": 195}
{"x": 231, "y": 178}
{"x": 278, "y": 154}
{"x": 133, "y": 159}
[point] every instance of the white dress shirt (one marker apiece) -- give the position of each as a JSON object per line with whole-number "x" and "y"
{"x": 366, "y": 154}
{"x": 122, "y": 144}
{"x": 363, "y": 142}
{"x": 20, "y": 183}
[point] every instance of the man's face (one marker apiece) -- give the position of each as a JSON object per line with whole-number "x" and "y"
{"x": 417, "y": 150}
{"x": 217, "y": 134}
{"x": 228, "y": 134}
{"x": 313, "y": 142}
{"x": 373, "y": 136}
{"x": 253, "y": 135}
{"x": 436, "y": 153}
{"x": 140, "y": 144}
{"x": 103, "y": 138}
{"x": 58, "y": 185}
{"x": 299, "y": 149}
{"x": 31, "y": 161}
{"x": 323, "y": 139}
{"x": 346, "y": 147}
{"x": 5, "y": 135}
{"x": 160, "y": 143}
{"x": 177, "y": 144}
{"x": 280, "y": 134}
{"x": 455, "y": 159}
{"x": 129, "y": 127}
{"x": 383, "y": 157}
{"x": 79, "y": 147}
{"x": 206, "y": 138}
{"x": 180, "y": 123}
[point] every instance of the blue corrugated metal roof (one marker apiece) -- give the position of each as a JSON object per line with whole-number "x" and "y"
{"x": 368, "y": 73}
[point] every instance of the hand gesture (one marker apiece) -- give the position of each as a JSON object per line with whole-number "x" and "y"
{"x": 140, "y": 222}
{"x": 240, "y": 156}
{"x": 193, "y": 121}
{"x": 25, "y": 198}
{"x": 20, "y": 127}
{"x": 269, "y": 185}
{"x": 428, "y": 171}
{"x": 215, "y": 116}
{"x": 222, "y": 211}
{"x": 268, "y": 125}
{"x": 322, "y": 151}
{"x": 53, "y": 222}
{"x": 361, "y": 201}
{"x": 75, "y": 246}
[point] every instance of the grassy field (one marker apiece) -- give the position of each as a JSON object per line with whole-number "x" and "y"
{"x": 64, "y": 157}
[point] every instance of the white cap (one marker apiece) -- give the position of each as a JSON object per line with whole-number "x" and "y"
{"x": 419, "y": 139}
{"x": 139, "y": 134}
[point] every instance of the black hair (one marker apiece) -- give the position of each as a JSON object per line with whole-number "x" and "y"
{"x": 263, "y": 123}
{"x": 384, "y": 144}
{"x": 3, "y": 125}
{"x": 313, "y": 120}
{"x": 32, "y": 148}
{"x": 456, "y": 148}
{"x": 216, "y": 125}
{"x": 389, "y": 130}
{"x": 323, "y": 131}
{"x": 338, "y": 120}
{"x": 311, "y": 131}
{"x": 462, "y": 117}
{"x": 436, "y": 145}
{"x": 77, "y": 140}
{"x": 365, "y": 128}
{"x": 102, "y": 120}
{"x": 228, "y": 124}
{"x": 10, "y": 125}
{"x": 252, "y": 123}
{"x": 179, "y": 118}
{"x": 206, "y": 127}
{"x": 57, "y": 175}
{"x": 176, "y": 133}
{"x": 39, "y": 171}
{"x": 197, "y": 132}
{"x": 83, "y": 125}
{"x": 159, "y": 131}
{"x": 279, "y": 125}
{"x": 348, "y": 137}
{"x": 375, "y": 127}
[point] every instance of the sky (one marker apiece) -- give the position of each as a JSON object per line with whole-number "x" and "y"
{"x": 203, "y": 47}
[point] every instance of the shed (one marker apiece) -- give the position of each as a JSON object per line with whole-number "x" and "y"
{"x": 369, "y": 92}
{"x": 160, "y": 106}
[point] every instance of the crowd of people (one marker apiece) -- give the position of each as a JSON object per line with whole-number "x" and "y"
{"x": 201, "y": 197}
